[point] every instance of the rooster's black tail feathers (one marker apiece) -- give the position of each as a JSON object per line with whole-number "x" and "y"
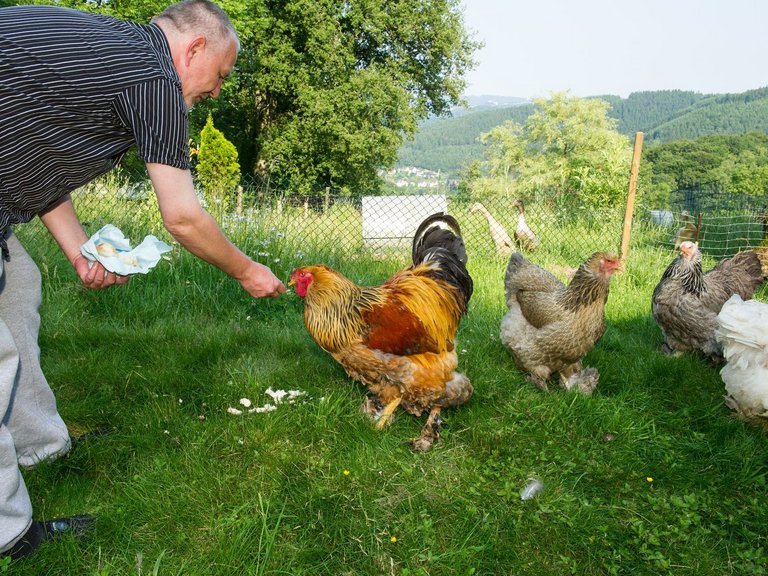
{"x": 438, "y": 239}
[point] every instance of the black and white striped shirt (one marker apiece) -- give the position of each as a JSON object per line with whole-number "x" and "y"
{"x": 76, "y": 91}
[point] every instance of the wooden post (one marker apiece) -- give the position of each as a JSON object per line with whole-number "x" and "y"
{"x": 698, "y": 229}
{"x": 631, "y": 196}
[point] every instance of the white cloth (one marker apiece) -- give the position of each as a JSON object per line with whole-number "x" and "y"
{"x": 112, "y": 249}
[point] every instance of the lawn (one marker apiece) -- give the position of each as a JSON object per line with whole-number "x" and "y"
{"x": 650, "y": 475}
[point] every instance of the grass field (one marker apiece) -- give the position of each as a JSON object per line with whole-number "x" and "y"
{"x": 651, "y": 475}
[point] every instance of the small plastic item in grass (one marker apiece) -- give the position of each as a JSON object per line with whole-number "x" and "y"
{"x": 531, "y": 489}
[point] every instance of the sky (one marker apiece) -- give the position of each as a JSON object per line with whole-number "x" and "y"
{"x": 597, "y": 47}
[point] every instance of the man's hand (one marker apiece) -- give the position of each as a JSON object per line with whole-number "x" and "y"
{"x": 260, "y": 282}
{"x": 94, "y": 275}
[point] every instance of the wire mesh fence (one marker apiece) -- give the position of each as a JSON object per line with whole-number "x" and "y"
{"x": 382, "y": 227}
{"x": 720, "y": 234}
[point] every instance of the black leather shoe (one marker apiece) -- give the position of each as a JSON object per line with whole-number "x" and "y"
{"x": 77, "y": 526}
{"x": 40, "y": 532}
{"x": 87, "y": 436}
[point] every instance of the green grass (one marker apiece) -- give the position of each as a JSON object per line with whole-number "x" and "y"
{"x": 181, "y": 487}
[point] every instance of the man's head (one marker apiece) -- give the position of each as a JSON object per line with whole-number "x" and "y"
{"x": 204, "y": 46}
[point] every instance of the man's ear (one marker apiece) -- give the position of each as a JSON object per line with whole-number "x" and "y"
{"x": 194, "y": 48}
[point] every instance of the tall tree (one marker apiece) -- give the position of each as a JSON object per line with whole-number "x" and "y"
{"x": 326, "y": 90}
{"x": 568, "y": 152}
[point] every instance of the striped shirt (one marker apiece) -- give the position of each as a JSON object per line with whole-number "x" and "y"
{"x": 77, "y": 90}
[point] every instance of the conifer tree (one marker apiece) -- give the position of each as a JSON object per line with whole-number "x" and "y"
{"x": 218, "y": 170}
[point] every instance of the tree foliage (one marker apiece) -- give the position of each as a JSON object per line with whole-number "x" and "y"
{"x": 736, "y": 163}
{"x": 643, "y": 111}
{"x": 447, "y": 145}
{"x": 326, "y": 90}
{"x": 217, "y": 168}
{"x": 568, "y": 152}
{"x": 716, "y": 114}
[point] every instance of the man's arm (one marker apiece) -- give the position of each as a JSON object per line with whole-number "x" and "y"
{"x": 63, "y": 224}
{"x": 198, "y": 232}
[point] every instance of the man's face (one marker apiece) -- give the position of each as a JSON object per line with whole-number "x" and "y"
{"x": 209, "y": 65}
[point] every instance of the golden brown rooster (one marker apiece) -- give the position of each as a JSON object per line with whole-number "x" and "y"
{"x": 550, "y": 327}
{"x": 398, "y": 338}
{"x": 687, "y": 300}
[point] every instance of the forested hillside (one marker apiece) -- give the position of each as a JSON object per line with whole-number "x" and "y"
{"x": 448, "y": 144}
{"x": 642, "y": 111}
{"x": 726, "y": 114}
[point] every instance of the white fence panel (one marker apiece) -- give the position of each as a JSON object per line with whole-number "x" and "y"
{"x": 389, "y": 221}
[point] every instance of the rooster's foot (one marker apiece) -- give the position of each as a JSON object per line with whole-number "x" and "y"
{"x": 372, "y": 407}
{"x": 539, "y": 382}
{"x": 730, "y": 401}
{"x": 667, "y": 350}
{"x": 387, "y": 415}
{"x": 430, "y": 433}
{"x": 584, "y": 381}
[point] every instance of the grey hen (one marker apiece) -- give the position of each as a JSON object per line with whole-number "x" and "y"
{"x": 686, "y": 301}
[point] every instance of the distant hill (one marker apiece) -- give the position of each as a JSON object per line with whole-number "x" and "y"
{"x": 477, "y": 103}
{"x": 723, "y": 114}
{"x": 446, "y": 145}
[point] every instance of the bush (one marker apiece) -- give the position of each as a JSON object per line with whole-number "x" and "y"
{"x": 218, "y": 170}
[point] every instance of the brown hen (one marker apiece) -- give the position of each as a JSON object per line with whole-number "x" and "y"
{"x": 686, "y": 301}
{"x": 550, "y": 327}
{"x": 398, "y": 338}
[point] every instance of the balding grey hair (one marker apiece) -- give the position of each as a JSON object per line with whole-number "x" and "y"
{"x": 200, "y": 17}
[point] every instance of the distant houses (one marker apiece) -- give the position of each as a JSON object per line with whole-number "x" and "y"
{"x": 413, "y": 177}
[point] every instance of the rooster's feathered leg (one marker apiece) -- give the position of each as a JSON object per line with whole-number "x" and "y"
{"x": 584, "y": 381}
{"x": 430, "y": 433}
{"x": 385, "y": 416}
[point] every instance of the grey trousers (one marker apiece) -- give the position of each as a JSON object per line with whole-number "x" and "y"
{"x": 31, "y": 429}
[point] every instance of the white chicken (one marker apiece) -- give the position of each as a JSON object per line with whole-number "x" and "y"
{"x": 523, "y": 233}
{"x": 741, "y": 330}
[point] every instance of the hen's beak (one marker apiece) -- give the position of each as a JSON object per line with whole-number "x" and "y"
{"x": 687, "y": 249}
{"x": 291, "y": 282}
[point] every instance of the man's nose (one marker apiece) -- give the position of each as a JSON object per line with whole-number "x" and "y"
{"x": 217, "y": 89}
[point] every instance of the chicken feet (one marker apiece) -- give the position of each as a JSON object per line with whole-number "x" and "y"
{"x": 386, "y": 416}
{"x": 430, "y": 433}
{"x": 584, "y": 381}
{"x": 382, "y": 415}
